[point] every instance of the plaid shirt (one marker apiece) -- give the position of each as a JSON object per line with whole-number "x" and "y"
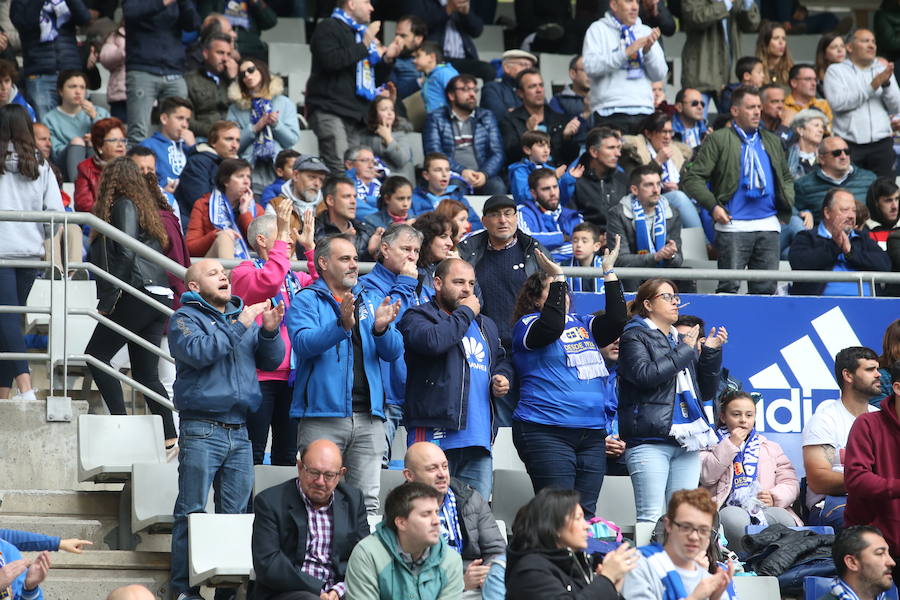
{"x": 317, "y": 560}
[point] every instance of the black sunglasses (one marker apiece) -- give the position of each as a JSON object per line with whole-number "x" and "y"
{"x": 248, "y": 71}
{"x": 699, "y": 103}
{"x": 839, "y": 151}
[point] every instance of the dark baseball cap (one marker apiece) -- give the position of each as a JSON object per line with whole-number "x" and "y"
{"x": 310, "y": 163}
{"x": 497, "y": 202}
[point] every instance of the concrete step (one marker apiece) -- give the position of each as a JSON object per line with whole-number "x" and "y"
{"x": 94, "y": 530}
{"x": 70, "y": 503}
{"x": 92, "y": 575}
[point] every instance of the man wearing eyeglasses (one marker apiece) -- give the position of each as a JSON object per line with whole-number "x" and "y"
{"x": 305, "y": 529}
{"x": 802, "y": 79}
{"x": 688, "y": 123}
{"x": 834, "y": 170}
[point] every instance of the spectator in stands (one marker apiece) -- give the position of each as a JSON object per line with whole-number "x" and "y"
{"x": 304, "y": 190}
{"x": 173, "y": 140}
{"x": 219, "y": 219}
{"x": 198, "y": 177}
{"x": 747, "y": 475}
{"x": 688, "y": 124}
{"x": 49, "y": 47}
{"x": 570, "y": 100}
{"x": 825, "y": 434}
{"x": 614, "y": 446}
{"x": 500, "y": 96}
{"x": 559, "y": 424}
{"x": 305, "y": 529}
{"x": 883, "y": 202}
{"x": 429, "y": 61}
{"x": 267, "y": 118}
{"x": 713, "y": 44}
{"x": 662, "y": 382}
{"x": 360, "y": 165}
{"x": 835, "y": 245}
{"x": 154, "y": 56}
{"x": 809, "y": 126}
{"x": 347, "y": 65}
{"x": 217, "y": 348}
{"x": 27, "y": 183}
{"x": 750, "y": 72}
{"x": 834, "y": 170}
{"x": 71, "y": 121}
{"x": 345, "y": 405}
{"x": 468, "y": 135}
{"x": 772, "y": 96}
{"x": 208, "y": 85}
{"x": 543, "y": 218}
{"x": 603, "y": 183}
{"x": 536, "y": 115}
{"x": 622, "y": 58}
{"x": 108, "y": 139}
{"x": 885, "y": 22}
{"x": 453, "y": 26}
{"x": 830, "y": 49}
{"x": 131, "y": 592}
{"x": 21, "y": 577}
{"x": 284, "y": 169}
{"x": 394, "y": 203}
{"x": 273, "y": 238}
{"x": 864, "y": 564}
{"x": 9, "y": 92}
{"x": 675, "y": 569}
{"x": 535, "y": 146}
{"x": 440, "y": 183}
{"x": 387, "y": 136}
{"x": 649, "y": 226}
{"x": 740, "y": 175}
{"x": 546, "y": 557}
{"x": 863, "y": 94}
{"x": 212, "y": 24}
{"x": 411, "y": 32}
{"x": 772, "y": 50}
{"x": 126, "y": 201}
{"x": 339, "y": 216}
{"x": 406, "y": 556}
{"x": 458, "y": 213}
{"x": 437, "y": 244}
{"x": 248, "y": 20}
{"x": 890, "y": 353}
{"x": 803, "y": 81}
{"x": 112, "y": 57}
{"x": 442, "y": 339}
{"x": 587, "y": 241}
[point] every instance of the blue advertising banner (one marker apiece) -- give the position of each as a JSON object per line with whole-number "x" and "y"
{"x": 783, "y": 347}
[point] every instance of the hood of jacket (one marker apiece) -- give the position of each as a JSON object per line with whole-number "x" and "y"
{"x": 232, "y": 310}
{"x": 390, "y": 542}
{"x": 563, "y": 559}
{"x": 205, "y": 148}
{"x": 276, "y": 88}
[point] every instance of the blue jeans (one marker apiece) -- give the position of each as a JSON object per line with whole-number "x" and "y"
{"x": 686, "y": 208}
{"x": 831, "y": 515}
{"x": 143, "y": 91}
{"x": 210, "y": 456}
{"x": 788, "y": 232}
{"x": 393, "y": 416}
{"x": 563, "y": 457}
{"x": 473, "y": 465}
{"x": 41, "y": 89}
{"x": 657, "y": 471}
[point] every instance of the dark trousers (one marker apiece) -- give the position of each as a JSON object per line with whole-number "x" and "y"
{"x": 15, "y": 285}
{"x": 148, "y": 323}
{"x": 627, "y": 124}
{"x": 876, "y": 156}
{"x": 275, "y": 412}
{"x": 748, "y": 250}
{"x": 563, "y": 457}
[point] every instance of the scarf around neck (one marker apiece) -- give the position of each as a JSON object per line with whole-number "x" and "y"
{"x": 54, "y": 14}
{"x": 663, "y": 568}
{"x": 264, "y": 144}
{"x": 581, "y": 351}
{"x": 751, "y": 163}
{"x": 449, "y": 516}
{"x": 365, "y": 69}
{"x": 634, "y": 66}
{"x": 646, "y": 243}
{"x": 841, "y": 591}
{"x": 576, "y": 284}
{"x": 745, "y": 471}
{"x": 221, "y": 215}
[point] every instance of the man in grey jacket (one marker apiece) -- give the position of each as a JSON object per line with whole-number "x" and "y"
{"x": 467, "y": 523}
{"x": 863, "y": 94}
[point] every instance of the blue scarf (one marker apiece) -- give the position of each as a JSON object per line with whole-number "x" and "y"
{"x": 450, "y": 529}
{"x": 54, "y": 14}
{"x": 643, "y": 240}
{"x": 365, "y": 71}
{"x": 221, "y": 215}
{"x": 581, "y": 351}
{"x": 693, "y": 136}
{"x": 576, "y": 284}
{"x": 840, "y": 590}
{"x": 751, "y": 164}
{"x": 745, "y": 486}
{"x": 634, "y": 66}
{"x": 663, "y": 567}
{"x": 365, "y": 193}
{"x": 264, "y": 144}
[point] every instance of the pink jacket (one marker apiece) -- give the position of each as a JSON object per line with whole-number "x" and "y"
{"x": 112, "y": 56}
{"x": 776, "y": 474}
{"x": 258, "y": 285}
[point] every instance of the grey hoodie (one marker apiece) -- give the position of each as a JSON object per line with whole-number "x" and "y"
{"x": 18, "y": 193}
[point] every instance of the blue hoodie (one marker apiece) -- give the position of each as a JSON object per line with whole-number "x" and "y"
{"x": 552, "y": 229}
{"x": 518, "y": 181}
{"x": 171, "y": 156}
{"x": 324, "y": 352}
{"x": 424, "y": 201}
{"x": 272, "y": 190}
{"x": 10, "y": 553}
{"x": 216, "y": 358}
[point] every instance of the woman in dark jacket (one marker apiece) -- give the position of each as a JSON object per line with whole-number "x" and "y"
{"x": 546, "y": 556}
{"x": 663, "y": 380}
{"x": 128, "y": 203}
{"x": 437, "y": 244}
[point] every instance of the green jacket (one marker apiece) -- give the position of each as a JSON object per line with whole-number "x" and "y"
{"x": 887, "y": 30}
{"x": 810, "y": 189}
{"x": 705, "y": 63}
{"x": 718, "y": 161}
{"x": 210, "y": 100}
{"x": 376, "y": 571}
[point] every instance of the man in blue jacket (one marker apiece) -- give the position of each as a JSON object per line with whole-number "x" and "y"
{"x": 217, "y": 347}
{"x": 339, "y": 334}
{"x": 455, "y": 364}
{"x": 542, "y": 217}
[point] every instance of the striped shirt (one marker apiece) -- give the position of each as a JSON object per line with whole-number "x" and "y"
{"x": 317, "y": 560}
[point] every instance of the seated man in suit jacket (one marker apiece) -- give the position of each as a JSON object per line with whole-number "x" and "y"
{"x": 306, "y": 528}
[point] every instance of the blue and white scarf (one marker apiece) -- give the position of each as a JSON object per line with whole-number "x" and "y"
{"x": 54, "y": 14}
{"x": 663, "y": 567}
{"x": 221, "y": 215}
{"x": 577, "y": 284}
{"x": 751, "y": 164}
{"x": 366, "y": 193}
{"x": 669, "y": 170}
{"x": 264, "y": 144}
{"x": 449, "y": 516}
{"x": 365, "y": 70}
{"x": 634, "y": 66}
{"x": 581, "y": 351}
{"x": 691, "y": 136}
{"x": 237, "y": 13}
{"x": 745, "y": 483}
{"x": 840, "y": 590}
{"x": 646, "y": 243}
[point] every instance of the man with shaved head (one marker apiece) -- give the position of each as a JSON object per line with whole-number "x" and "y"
{"x": 306, "y": 528}
{"x": 217, "y": 347}
{"x": 131, "y": 592}
{"x": 467, "y": 524}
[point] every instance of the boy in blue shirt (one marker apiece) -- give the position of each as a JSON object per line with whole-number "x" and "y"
{"x": 543, "y": 217}
{"x": 536, "y": 148}
{"x": 440, "y": 183}
{"x": 173, "y": 140}
{"x": 284, "y": 170}
{"x": 587, "y": 242}
{"x": 429, "y": 60}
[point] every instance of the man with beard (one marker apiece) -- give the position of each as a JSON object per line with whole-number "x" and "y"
{"x": 304, "y": 190}
{"x": 338, "y": 334}
{"x": 208, "y": 85}
{"x": 339, "y": 216}
{"x": 863, "y": 562}
{"x": 544, "y": 219}
{"x": 410, "y": 32}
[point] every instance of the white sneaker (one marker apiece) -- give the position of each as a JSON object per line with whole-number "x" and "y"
{"x": 28, "y": 396}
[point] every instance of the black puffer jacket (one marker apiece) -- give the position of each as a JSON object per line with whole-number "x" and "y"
{"x": 558, "y": 574}
{"x": 153, "y": 34}
{"x": 777, "y": 548}
{"x": 43, "y": 58}
{"x": 594, "y": 195}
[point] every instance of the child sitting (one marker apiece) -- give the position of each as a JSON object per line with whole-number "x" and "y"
{"x": 587, "y": 242}
{"x": 440, "y": 183}
{"x": 429, "y": 60}
{"x": 284, "y": 169}
{"x": 536, "y": 147}
{"x": 393, "y": 204}
{"x": 749, "y": 71}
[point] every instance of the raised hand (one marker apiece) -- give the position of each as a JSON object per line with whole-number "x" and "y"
{"x": 348, "y": 311}
{"x": 385, "y": 314}
{"x": 251, "y": 311}
{"x": 11, "y": 571}
{"x": 472, "y": 303}
{"x": 690, "y": 338}
{"x": 717, "y": 337}
{"x": 37, "y": 572}
{"x": 547, "y": 265}
{"x": 247, "y": 203}
{"x": 374, "y": 244}
{"x": 611, "y": 256}
{"x": 283, "y": 214}
{"x": 617, "y": 563}
{"x": 306, "y": 238}
{"x": 577, "y": 171}
{"x": 271, "y": 318}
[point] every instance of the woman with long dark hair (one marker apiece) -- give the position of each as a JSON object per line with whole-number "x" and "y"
{"x": 772, "y": 50}
{"x": 129, "y": 204}
{"x": 26, "y": 183}
{"x": 386, "y": 135}
{"x": 546, "y": 558}
{"x": 437, "y": 244}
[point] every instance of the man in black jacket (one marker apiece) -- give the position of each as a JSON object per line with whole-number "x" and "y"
{"x": 306, "y": 528}
{"x": 208, "y": 84}
{"x": 603, "y": 184}
{"x": 836, "y": 246}
{"x": 339, "y": 216}
{"x": 453, "y": 24}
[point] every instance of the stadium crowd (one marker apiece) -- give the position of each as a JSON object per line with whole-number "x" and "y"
{"x": 466, "y": 322}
